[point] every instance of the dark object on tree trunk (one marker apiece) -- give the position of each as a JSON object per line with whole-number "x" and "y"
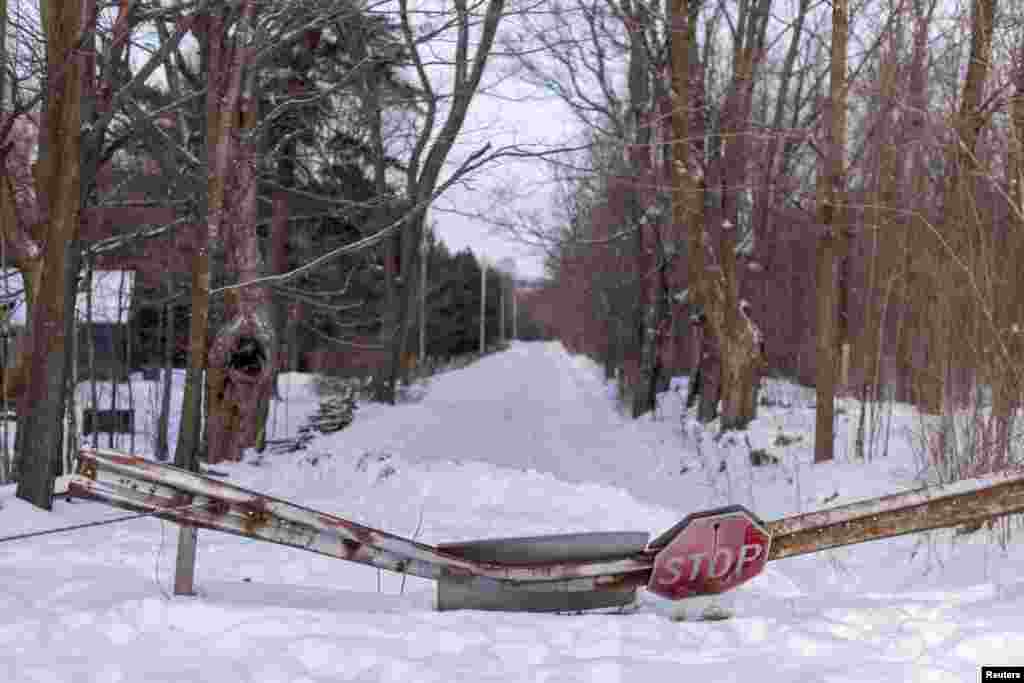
{"x": 249, "y": 356}
{"x": 707, "y": 378}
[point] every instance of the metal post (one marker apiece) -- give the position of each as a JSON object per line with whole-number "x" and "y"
{"x": 185, "y": 569}
{"x": 188, "y": 536}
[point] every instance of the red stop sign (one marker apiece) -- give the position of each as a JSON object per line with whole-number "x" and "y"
{"x": 709, "y": 552}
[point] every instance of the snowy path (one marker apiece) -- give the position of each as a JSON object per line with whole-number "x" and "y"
{"x": 531, "y": 408}
{"x": 528, "y": 441}
{"x": 528, "y": 408}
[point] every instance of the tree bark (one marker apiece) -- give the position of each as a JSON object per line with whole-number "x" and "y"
{"x": 61, "y": 179}
{"x": 1007, "y": 400}
{"x": 688, "y": 204}
{"x": 737, "y": 339}
{"x": 241, "y": 362}
{"x": 638, "y": 353}
{"x": 163, "y": 423}
{"x": 211, "y": 33}
{"x": 831, "y": 182}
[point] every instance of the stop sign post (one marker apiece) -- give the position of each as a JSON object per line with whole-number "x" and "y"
{"x": 709, "y": 552}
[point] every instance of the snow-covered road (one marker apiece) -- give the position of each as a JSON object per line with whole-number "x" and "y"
{"x": 533, "y": 407}
{"x": 528, "y": 441}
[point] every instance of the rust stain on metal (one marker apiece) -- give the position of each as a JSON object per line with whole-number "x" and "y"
{"x": 218, "y": 508}
{"x": 180, "y": 499}
{"x": 360, "y": 533}
{"x": 940, "y": 512}
{"x": 246, "y": 513}
{"x": 620, "y": 581}
{"x": 87, "y": 469}
{"x": 79, "y": 491}
{"x": 125, "y": 459}
{"x": 255, "y": 514}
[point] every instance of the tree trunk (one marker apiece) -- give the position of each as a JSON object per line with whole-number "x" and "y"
{"x": 163, "y": 423}
{"x": 824, "y": 425}
{"x": 278, "y": 265}
{"x": 406, "y": 295}
{"x": 734, "y": 336}
{"x": 61, "y": 176}
{"x": 831, "y": 182}
{"x": 688, "y": 203}
{"x": 391, "y": 244}
{"x": 241, "y": 362}
{"x": 639, "y": 351}
{"x": 72, "y": 269}
{"x": 279, "y": 240}
{"x": 883, "y": 256}
{"x": 1007, "y": 400}
{"x": 210, "y": 30}
{"x": 187, "y": 450}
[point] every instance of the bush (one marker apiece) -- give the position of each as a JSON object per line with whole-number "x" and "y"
{"x": 336, "y": 412}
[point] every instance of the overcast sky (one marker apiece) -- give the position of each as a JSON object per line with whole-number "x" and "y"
{"x": 503, "y": 122}
{"x": 507, "y": 111}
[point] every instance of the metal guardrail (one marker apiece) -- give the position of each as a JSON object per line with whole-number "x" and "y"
{"x": 138, "y": 484}
{"x": 567, "y": 572}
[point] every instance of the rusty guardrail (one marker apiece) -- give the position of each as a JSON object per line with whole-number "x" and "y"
{"x": 567, "y": 572}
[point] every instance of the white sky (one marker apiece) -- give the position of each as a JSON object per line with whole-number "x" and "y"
{"x": 502, "y": 122}
{"x": 506, "y": 111}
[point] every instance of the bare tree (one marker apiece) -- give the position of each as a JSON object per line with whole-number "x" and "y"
{"x": 831, "y": 184}
{"x": 241, "y": 361}
{"x": 475, "y": 26}
{"x": 43, "y": 210}
{"x": 59, "y": 180}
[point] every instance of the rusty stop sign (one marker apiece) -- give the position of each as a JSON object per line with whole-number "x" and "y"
{"x": 709, "y": 552}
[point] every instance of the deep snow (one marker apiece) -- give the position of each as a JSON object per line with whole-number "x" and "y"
{"x": 524, "y": 442}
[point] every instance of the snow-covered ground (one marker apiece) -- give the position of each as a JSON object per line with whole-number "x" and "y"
{"x": 523, "y": 442}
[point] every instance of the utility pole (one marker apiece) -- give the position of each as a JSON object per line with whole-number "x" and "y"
{"x": 515, "y": 312}
{"x": 483, "y": 303}
{"x": 507, "y": 267}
